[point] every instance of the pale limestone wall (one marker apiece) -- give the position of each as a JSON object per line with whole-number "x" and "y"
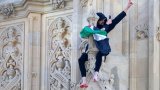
{"x": 154, "y": 62}
{"x": 42, "y": 51}
{"x": 117, "y": 62}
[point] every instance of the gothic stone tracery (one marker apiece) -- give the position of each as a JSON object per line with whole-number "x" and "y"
{"x": 59, "y": 52}
{"x": 11, "y": 62}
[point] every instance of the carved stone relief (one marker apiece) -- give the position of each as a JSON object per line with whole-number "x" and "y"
{"x": 11, "y": 62}
{"x": 58, "y": 4}
{"x": 7, "y": 9}
{"x": 84, "y": 3}
{"x": 142, "y": 31}
{"x": 158, "y": 34}
{"x": 59, "y": 53}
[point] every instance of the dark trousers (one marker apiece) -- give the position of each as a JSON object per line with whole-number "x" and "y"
{"x": 98, "y": 62}
{"x": 81, "y": 61}
{"x": 84, "y": 58}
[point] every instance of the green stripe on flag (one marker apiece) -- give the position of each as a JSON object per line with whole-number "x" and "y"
{"x": 87, "y": 31}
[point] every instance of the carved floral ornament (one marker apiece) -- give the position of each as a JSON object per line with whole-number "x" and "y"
{"x": 158, "y": 34}
{"x": 7, "y": 9}
{"x": 142, "y": 31}
{"x": 58, "y": 4}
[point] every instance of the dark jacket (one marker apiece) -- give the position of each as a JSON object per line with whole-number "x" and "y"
{"x": 103, "y": 45}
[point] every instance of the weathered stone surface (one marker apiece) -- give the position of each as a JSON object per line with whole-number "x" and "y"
{"x": 39, "y": 44}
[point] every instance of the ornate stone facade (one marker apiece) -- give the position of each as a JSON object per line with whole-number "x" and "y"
{"x": 39, "y": 44}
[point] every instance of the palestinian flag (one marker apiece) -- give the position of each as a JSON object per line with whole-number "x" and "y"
{"x": 88, "y": 31}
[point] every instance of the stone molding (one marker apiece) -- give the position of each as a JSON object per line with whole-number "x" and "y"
{"x": 24, "y": 8}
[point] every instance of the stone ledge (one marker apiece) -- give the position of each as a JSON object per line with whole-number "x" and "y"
{"x": 22, "y": 10}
